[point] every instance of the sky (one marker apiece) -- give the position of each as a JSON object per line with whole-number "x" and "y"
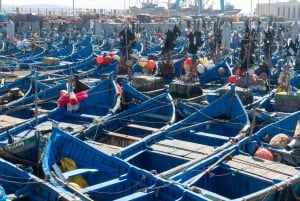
{"x": 245, "y": 5}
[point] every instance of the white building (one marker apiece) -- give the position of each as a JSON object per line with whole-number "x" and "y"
{"x": 289, "y": 10}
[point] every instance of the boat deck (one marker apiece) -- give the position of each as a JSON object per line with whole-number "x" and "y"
{"x": 184, "y": 149}
{"x": 262, "y": 168}
{"x": 7, "y": 121}
{"x": 69, "y": 127}
{"x": 106, "y": 148}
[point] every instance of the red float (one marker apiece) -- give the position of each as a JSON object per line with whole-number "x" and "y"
{"x": 232, "y": 79}
{"x": 70, "y": 99}
{"x": 151, "y": 65}
{"x": 186, "y": 66}
{"x": 189, "y": 61}
{"x": 63, "y": 99}
{"x": 107, "y": 59}
{"x": 264, "y": 154}
{"x": 100, "y": 59}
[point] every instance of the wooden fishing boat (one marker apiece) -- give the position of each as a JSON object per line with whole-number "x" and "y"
{"x": 236, "y": 175}
{"x": 35, "y": 97}
{"x": 279, "y": 138}
{"x": 25, "y": 142}
{"x": 217, "y": 126}
{"x": 19, "y": 184}
{"x": 60, "y": 54}
{"x": 80, "y": 56}
{"x": 133, "y": 124}
{"x": 263, "y": 166}
{"x": 98, "y": 176}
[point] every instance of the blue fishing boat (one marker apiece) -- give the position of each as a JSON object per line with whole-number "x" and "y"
{"x": 279, "y": 138}
{"x": 60, "y": 54}
{"x": 236, "y": 175}
{"x": 93, "y": 175}
{"x": 35, "y": 97}
{"x": 262, "y": 166}
{"x": 19, "y": 184}
{"x": 25, "y": 142}
{"x": 219, "y": 72}
{"x": 217, "y": 126}
{"x": 133, "y": 124}
{"x": 78, "y": 57}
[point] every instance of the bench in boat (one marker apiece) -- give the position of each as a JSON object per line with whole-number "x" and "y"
{"x": 182, "y": 148}
{"x": 118, "y": 139}
{"x": 98, "y": 187}
{"x": 73, "y": 173}
{"x": 106, "y": 148}
{"x": 263, "y": 168}
{"x": 6, "y": 121}
{"x": 127, "y": 137}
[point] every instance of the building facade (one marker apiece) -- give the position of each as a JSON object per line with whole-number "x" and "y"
{"x": 289, "y": 10}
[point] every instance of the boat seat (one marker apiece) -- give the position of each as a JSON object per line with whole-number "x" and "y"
{"x": 69, "y": 174}
{"x": 98, "y": 187}
{"x": 127, "y": 137}
{"x": 140, "y": 127}
{"x": 212, "y": 135}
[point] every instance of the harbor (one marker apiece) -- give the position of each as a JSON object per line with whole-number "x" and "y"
{"x": 178, "y": 100}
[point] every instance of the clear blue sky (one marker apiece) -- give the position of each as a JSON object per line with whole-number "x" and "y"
{"x": 245, "y": 5}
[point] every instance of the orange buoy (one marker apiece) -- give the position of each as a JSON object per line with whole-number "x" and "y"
{"x": 189, "y": 61}
{"x": 264, "y": 154}
{"x": 100, "y": 59}
{"x": 232, "y": 79}
{"x": 107, "y": 59}
{"x": 151, "y": 65}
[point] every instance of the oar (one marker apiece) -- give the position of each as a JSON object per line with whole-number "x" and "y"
{"x": 193, "y": 126}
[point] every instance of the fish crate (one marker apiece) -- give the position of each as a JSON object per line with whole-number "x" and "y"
{"x": 51, "y": 61}
{"x": 180, "y": 89}
{"x": 147, "y": 83}
{"x": 287, "y": 102}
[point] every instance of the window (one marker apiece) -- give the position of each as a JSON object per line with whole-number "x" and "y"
{"x": 294, "y": 12}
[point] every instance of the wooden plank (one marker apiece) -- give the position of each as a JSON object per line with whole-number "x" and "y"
{"x": 182, "y": 148}
{"x": 120, "y": 135}
{"x": 262, "y": 168}
{"x": 6, "y": 120}
{"x": 108, "y": 149}
{"x": 141, "y": 127}
{"x": 72, "y": 173}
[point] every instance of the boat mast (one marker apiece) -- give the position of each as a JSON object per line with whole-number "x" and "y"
{"x": 35, "y": 96}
